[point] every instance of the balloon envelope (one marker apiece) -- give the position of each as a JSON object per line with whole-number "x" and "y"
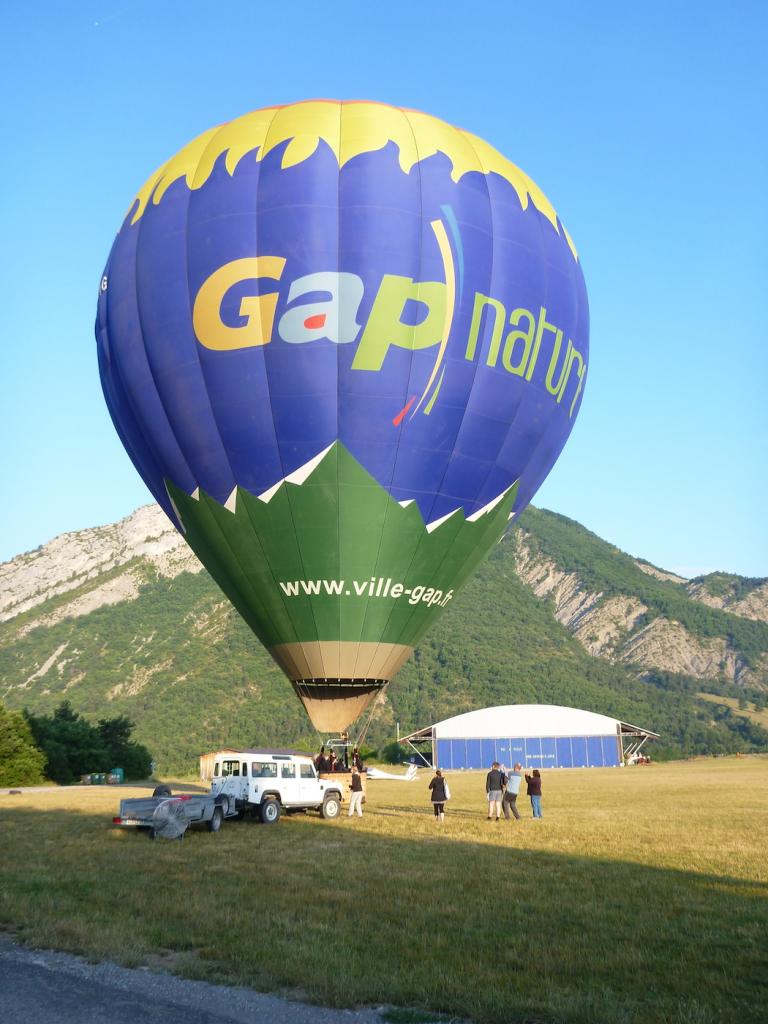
{"x": 343, "y": 344}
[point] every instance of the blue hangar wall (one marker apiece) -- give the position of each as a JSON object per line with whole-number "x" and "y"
{"x": 531, "y": 751}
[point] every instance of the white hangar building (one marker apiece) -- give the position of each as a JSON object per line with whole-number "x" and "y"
{"x": 536, "y": 735}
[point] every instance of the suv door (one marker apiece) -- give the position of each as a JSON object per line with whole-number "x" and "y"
{"x": 309, "y": 785}
{"x": 263, "y": 778}
{"x": 289, "y": 784}
{"x": 229, "y": 782}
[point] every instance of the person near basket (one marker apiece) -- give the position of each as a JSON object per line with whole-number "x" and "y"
{"x": 356, "y": 795}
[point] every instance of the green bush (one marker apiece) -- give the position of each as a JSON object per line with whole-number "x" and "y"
{"x": 21, "y": 763}
{"x": 392, "y": 753}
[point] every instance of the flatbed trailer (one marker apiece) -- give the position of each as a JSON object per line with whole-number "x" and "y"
{"x": 145, "y": 812}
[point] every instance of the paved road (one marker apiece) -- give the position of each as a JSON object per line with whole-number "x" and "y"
{"x": 55, "y": 988}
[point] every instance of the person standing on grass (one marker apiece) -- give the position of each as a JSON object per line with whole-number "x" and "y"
{"x": 439, "y": 790}
{"x": 493, "y": 785}
{"x": 356, "y": 796}
{"x": 509, "y": 803}
{"x": 534, "y": 792}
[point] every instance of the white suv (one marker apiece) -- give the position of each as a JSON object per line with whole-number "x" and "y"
{"x": 269, "y": 781}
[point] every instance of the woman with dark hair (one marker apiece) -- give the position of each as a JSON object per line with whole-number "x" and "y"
{"x": 534, "y": 792}
{"x": 440, "y": 793}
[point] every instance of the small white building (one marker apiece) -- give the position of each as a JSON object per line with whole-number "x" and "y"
{"x": 536, "y": 735}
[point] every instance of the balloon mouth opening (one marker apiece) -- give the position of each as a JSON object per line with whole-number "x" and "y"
{"x": 334, "y": 704}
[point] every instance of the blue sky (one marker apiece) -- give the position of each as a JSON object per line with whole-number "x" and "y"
{"x": 644, "y": 126}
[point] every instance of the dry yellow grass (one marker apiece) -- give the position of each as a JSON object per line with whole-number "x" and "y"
{"x": 758, "y": 717}
{"x": 641, "y": 897}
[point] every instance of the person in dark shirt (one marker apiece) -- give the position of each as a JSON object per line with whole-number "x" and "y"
{"x": 439, "y": 796}
{"x": 356, "y": 794}
{"x": 494, "y": 783}
{"x": 534, "y": 792}
{"x": 357, "y": 761}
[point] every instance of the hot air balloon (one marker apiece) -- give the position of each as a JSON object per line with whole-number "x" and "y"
{"x": 343, "y": 344}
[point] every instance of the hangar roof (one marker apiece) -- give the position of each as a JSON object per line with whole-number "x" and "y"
{"x": 527, "y": 720}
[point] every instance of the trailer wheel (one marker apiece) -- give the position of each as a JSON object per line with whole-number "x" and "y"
{"x": 162, "y": 790}
{"x": 217, "y": 819}
{"x": 270, "y": 811}
{"x": 331, "y": 807}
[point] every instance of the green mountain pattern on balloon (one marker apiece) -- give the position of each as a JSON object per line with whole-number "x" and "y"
{"x": 336, "y": 557}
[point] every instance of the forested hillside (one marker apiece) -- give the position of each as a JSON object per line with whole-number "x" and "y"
{"x": 170, "y": 653}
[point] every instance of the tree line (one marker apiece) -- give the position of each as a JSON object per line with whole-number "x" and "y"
{"x": 63, "y": 746}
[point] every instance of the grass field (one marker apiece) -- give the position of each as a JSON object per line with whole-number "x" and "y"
{"x": 641, "y": 897}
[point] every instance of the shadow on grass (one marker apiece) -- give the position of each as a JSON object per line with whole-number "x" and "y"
{"x": 350, "y": 917}
{"x": 451, "y": 811}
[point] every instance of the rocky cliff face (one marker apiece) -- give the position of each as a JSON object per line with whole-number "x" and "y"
{"x": 103, "y": 565}
{"x": 616, "y": 627}
{"x": 753, "y": 605}
{"x": 599, "y": 624}
{"x": 659, "y": 574}
{"x": 728, "y": 598}
{"x": 668, "y": 646}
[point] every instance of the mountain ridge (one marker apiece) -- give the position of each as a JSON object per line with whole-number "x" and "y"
{"x": 123, "y": 619}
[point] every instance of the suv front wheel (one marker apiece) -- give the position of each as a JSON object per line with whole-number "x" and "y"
{"x": 331, "y": 806}
{"x": 270, "y": 811}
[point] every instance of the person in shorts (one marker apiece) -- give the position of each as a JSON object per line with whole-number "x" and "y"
{"x": 494, "y": 783}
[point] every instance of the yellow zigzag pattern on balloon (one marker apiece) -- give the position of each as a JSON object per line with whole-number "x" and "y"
{"x": 349, "y": 129}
